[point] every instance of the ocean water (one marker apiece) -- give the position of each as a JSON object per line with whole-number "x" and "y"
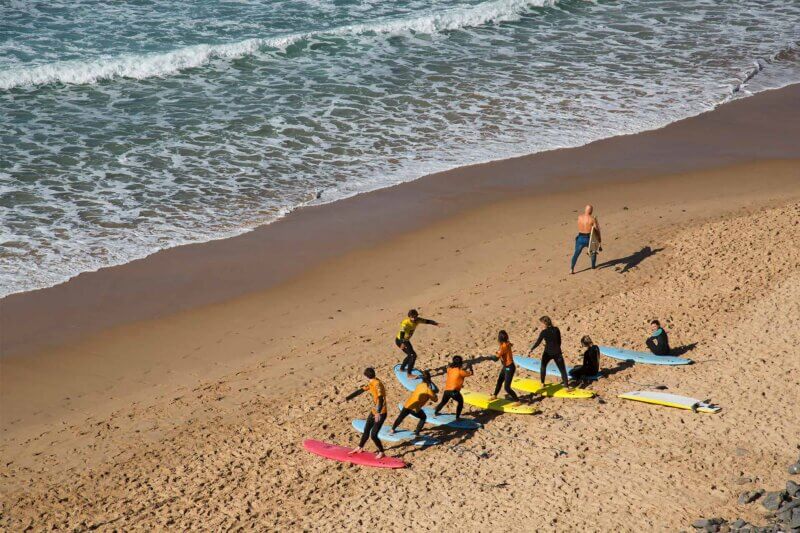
{"x": 129, "y": 127}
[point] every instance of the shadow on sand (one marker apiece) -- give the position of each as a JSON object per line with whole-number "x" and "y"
{"x": 631, "y": 261}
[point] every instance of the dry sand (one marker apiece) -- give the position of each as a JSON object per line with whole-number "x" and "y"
{"x": 195, "y": 420}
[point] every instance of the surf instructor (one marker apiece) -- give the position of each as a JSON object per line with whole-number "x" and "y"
{"x": 586, "y": 223}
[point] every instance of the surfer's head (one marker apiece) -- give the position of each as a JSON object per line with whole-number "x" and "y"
{"x": 369, "y": 373}
{"x": 655, "y": 324}
{"x": 457, "y": 361}
{"x": 546, "y": 321}
{"x": 586, "y": 340}
{"x": 588, "y": 209}
{"x": 413, "y": 314}
{"x": 502, "y": 336}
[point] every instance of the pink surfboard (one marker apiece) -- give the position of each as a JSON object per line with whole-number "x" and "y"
{"x": 339, "y": 453}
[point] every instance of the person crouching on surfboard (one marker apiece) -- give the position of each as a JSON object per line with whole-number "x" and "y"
{"x": 658, "y": 341}
{"x": 377, "y": 415}
{"x": 551, "y": 336}
{"x": 586, "y": 222}
{"x": 403, "y": 339}
{"x": 423, "y": 393}
{"x": 506, "y": 358}
{"x": 591, "y": 361}
{"x": 453, "y": 384}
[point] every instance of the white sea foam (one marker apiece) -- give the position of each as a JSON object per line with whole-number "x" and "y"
{"x": 141, "y": 66}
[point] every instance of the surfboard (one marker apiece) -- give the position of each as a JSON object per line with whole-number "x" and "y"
{"x": 671, "y": 400}
{"x": 401, "y": 435}
{"x": 551, "y": 390}
{"x": 484, "y": 401}
{"x": 594, "y": 243}
{"x": 533, "y": 364}
{"x": 405, "y": 381}
{"x": 446, "y": 420}
{"x": 340, "y": 453}
{"x": 643, "y": 357}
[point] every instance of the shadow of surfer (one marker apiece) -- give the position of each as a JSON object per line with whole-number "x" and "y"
{"x": 631, "y": 261}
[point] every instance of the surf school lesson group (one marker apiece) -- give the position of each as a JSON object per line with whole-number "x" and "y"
{"x": 424, "y": 394}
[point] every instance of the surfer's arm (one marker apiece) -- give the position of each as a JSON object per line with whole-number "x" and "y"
{"x": 429, "y": 322}
{"x": 379, "y": 405}
{"x": 354, "y": 394}
{"x": 538, "y": 342}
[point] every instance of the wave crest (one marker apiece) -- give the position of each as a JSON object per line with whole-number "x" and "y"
{"x": 168, "y": 63}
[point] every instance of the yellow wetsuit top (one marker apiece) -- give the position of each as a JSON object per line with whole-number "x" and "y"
{"x": 375, "y": 388}
{"x": 421, "y": 395}
{"x": 407, "y": 327}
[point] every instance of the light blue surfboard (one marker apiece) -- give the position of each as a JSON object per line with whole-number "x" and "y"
{"x": 405, "y": 381}
{"x": 533, "y": 364}
{"x": 643, "y": 357}
{"x": 446, "y": 420}
{"x": 401, "y": 435}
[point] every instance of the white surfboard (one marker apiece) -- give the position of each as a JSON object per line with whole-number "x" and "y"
{"x": 594, "y": 243}
{"x": 671, "y": 400}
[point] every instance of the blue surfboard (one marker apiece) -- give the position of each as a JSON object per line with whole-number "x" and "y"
{"x": 401, "y": 435}
{"x": 534, "y": 365}
{"x": 405, "y": 381}
{"x": 447, "y": 420}
{"x": 643, "y": 357}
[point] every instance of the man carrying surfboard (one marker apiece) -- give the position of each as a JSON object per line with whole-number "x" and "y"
{"x": 377, "y": 415}
{"x": 454, "y": 382}
{"x": 506, "y": 358}
{"x": 423, "y": 393}
{"x": 658, "y": 341}
{"x": 403, "y": 339}
{"x": 587, "y": 224}
{"x": 551, "y": 336}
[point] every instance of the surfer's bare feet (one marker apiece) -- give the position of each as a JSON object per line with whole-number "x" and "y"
{"x": 516, "y": 404}
{"x": 357, "y": 449}
{"x": 392, "y": 431}
{"x": 409, "y": 375}
{"x": 380, "y": 455}
{"x": 493, "y": 397}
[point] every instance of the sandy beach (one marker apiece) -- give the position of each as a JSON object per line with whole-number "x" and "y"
{"x": 175, "y": 392}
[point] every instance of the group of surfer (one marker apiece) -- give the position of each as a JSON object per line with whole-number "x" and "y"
{"x": 457, "y": 371}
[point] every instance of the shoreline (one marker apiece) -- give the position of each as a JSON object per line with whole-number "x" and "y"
{"x": 166, "y": 282}
{"x": 196, "y": 416}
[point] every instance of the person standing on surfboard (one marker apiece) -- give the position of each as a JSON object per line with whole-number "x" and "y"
{"x": 403, "y": 339}
{"x": 586, "y": 223}
{"x": 591, "y": 360}
{"x": 658, "y": 341}
{"x": 377, "y": 415}
{"x": 423, "y": 393}
{"x": 551, "y": 336}
{"x": 506, "y": 358}
{"x": 453, "y": 384}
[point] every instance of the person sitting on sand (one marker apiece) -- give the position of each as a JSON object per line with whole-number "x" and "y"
{"x": 508, "y": 368}
{"x": 658, "y": 341}
{"x": 423, "y": 393}
{"x": 454, "y": 382}
{"x": 552, "y": 350}
{"x": 403, "y": 339}
{"x": 586, "y": 222}
{"x": 377, "y": 415}
{"x": 591, "y": 361}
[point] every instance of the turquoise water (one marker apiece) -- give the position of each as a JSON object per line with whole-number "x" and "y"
{"x": 131, "y": 127}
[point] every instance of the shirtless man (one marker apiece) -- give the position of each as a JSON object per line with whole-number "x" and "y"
{"x": 586, "y": 222}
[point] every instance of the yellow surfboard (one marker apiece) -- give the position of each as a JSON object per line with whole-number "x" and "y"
{"x": 484, "y": 401}
{"x": 671, "y": 400}
{"x": 551, "y": 390}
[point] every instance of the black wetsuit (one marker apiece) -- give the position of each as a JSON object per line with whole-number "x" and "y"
{"x": 411, "y": 355}
{"x": 552, "y": 352}
{"x": 659, "y": 343}
{"x": 451, "y": 395}
{"x": 591, "y": 364}
{"x": 404, "y": 412}
{"x": 504, "y": 379}
{"x": 371, "y": 430}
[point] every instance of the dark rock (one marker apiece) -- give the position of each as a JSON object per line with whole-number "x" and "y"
{"x": 792, "y": 488}
{"x": 738, "y": 524}
{"x": 795, "y": 521}
{"x": 705, "y": 523}
{"x": 750, "y": 496}
{"x": 773, "y": 500}
{"x": 794, "y": 469}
